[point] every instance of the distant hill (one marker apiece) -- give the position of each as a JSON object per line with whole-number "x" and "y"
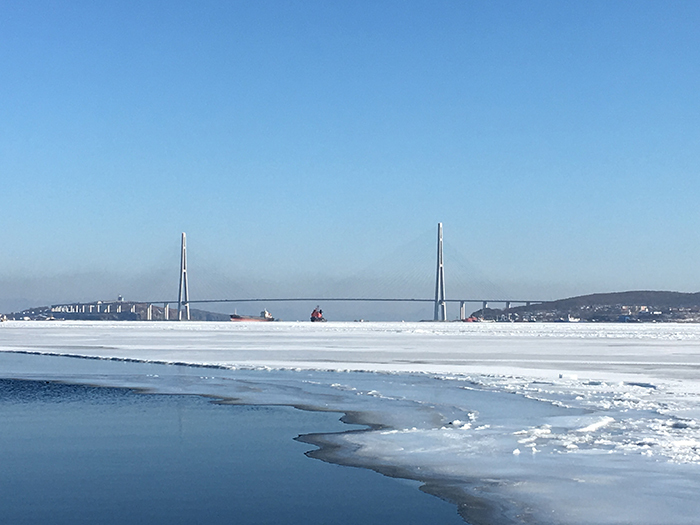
{"x": 658, "y": 299}
{"x": 632, "y": 306}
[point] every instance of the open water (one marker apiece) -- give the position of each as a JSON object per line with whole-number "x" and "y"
{"x": 73, "y": 454}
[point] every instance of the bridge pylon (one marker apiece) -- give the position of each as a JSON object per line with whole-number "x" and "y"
{"x": 183, "y": 296}
{"x": 440, "y": 304}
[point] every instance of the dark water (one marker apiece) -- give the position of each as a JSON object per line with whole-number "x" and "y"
{"x": 78, "y": 454}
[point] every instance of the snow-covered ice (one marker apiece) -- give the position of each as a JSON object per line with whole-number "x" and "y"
{"x": 517, "y": 423}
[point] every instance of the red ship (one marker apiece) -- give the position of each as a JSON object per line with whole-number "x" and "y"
{"x": 264, "y": 316}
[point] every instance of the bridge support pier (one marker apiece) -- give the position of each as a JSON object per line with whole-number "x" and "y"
{"x": 440, "y": 304}
{"x": 149, "y": 313}
{"x": 462, "y": 310}
{"x": 183, "y": 296}
{"x": 166, "y": 311}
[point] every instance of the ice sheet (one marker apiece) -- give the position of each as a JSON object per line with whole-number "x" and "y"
{"x": 553, "y": 423}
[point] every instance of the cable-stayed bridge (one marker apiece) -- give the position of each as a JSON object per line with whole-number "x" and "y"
{"x": 180, "y": 309}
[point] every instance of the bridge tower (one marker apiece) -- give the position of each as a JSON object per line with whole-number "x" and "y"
{"x": 440, "y": 305}
{"x": 183, "y": 296}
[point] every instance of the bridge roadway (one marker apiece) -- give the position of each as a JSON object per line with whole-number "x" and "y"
{"x": 354, "y": 299}
{"x": 121, "y": 307}
{"x": 300, "y": 299}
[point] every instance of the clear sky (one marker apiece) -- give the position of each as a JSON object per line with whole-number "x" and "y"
{"x": 311, "y": 148}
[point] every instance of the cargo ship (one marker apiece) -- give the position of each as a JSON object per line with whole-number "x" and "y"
{"x": 264, "y": 316}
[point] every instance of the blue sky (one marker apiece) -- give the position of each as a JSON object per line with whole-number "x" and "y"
{"x": 312, "y": 147}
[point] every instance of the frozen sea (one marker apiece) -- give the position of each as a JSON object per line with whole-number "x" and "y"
{"x": 512, "y": 423}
